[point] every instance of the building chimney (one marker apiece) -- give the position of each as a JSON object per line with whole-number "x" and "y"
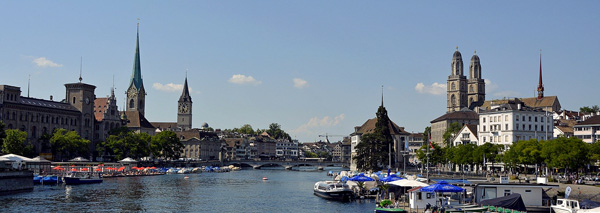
{"x": 51, "y": 98}
{"x": 519, "y": 106}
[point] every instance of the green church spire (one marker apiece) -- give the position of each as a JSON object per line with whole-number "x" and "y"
{"x": 136, "y": 76}
{"x": 185, "y": 95}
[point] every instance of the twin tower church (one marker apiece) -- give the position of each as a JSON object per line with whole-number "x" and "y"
{"x": 463, "y": 92}
{"x": 136, "y": 106}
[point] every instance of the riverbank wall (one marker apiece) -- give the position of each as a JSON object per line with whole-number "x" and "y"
{"x": 15, "y": 181}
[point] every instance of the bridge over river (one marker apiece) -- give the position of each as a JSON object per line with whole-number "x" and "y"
{"x": 257, "y": 164}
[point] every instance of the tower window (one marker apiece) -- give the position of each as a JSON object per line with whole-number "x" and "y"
{"x": 131, "y": 102}
{"x": 73, "y": 100}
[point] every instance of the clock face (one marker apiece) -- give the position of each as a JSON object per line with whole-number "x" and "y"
{"x": 183, "y": 108}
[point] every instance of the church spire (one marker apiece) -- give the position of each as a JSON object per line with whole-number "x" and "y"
{"x": 136, "y": 76}
{"x": 382, "y": 95}
{"x": 540, "y": 88}
{"x": 185, "y": 95}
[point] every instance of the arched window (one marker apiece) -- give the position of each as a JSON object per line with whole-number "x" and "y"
{"x": 73, "y": 100}
{"x": 453, "y": 100}
{"x": 34, "y": 132}
{"x": 131, "y": 103}
{"x": 453, "y": 86}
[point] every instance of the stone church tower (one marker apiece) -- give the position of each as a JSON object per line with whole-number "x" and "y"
{"x": 459, "y": 96}
{"x": 184, "y": 111}
{"x": 136, "y": 94}
{"x": 476, "y": 84}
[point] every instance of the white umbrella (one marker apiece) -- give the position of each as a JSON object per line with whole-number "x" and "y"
{"x": 407, "y": 183}
{"x": 79, "y": 159}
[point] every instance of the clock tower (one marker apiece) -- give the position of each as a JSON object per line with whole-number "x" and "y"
{"x": 184, "y": 109}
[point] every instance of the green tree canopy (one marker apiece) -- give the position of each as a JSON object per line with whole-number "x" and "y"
{"x": 246, "y": 129}
{"x": 166, "y": 145}
{"x": 374, "y": 148}
{"x": 276, "y": 132}
{"x": 588, "y": 110}
{"x": 14, "y": 142}
{"x": 68, "y": 144}
{"x": 451, "y": 132}
{"x": 436, "y": 155}
{"x": 124, "y": 143}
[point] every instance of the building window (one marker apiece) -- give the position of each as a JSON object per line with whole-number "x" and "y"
{"x": 483, "y": 119}
{"x": 505, "y": 126}
{"x": 506, "y": 118}
{"x": 535, "y": 119}
{"x": 530, "y": 118}
{"x": 517, "y": 118}
{"x": 542, "y": 119}
{"x": 73, "y": 100}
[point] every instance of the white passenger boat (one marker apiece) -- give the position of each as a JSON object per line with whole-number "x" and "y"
{"x": 571, "y": 206}
{"x": 334, "y": 190}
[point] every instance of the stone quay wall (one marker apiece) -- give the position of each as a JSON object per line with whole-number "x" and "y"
{"x": 15, "y": 182}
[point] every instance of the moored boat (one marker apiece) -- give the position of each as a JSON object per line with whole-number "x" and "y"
{"x": 51, "y": 179}
{"x": 573, "y": 206}
{"x": 82, "y": 178}
{"x": 334, "y": 190}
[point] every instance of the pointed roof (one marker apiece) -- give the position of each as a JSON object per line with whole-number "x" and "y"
{"x": 185, "y": 95}
{"x": 540, "y": 87}
{"x": 136, "y": 76}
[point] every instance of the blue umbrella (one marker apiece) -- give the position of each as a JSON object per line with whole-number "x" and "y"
{"x": 442, "y": 186}
{"x": 390, "y": 178}
{"x": 361, "y": 178}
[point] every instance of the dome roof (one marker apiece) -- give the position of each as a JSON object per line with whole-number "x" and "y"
{"x": 457, "y": 55}
{"x": 475, "y": 58}
{"x": 204, "y": 125}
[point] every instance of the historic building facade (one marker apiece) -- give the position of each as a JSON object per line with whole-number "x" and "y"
{"x": 184, "y": 111}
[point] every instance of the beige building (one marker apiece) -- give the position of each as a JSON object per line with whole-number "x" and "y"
{"x": 588, "y": 130}
{"x": 201, "y": 145}
{"x": 441, "y": 124}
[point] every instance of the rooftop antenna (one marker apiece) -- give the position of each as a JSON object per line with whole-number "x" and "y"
{"x": 80, "y": 68}
{"x": 28, "y": 83}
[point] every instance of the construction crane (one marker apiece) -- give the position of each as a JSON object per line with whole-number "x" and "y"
{"x": 328, "y": 135}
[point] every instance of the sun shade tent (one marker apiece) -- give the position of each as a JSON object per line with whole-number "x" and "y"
{"x": 79, "y": 159}
{"x": 442, "y": 186}
{"x": 513, "y": 201}
{"x": 408, "y": 183}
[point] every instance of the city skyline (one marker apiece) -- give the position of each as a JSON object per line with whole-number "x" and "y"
{"x": 313, "y": 68}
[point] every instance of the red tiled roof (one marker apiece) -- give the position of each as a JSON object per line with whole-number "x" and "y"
{"x": 369, "y": 127}
{"x": 100, "y": 107}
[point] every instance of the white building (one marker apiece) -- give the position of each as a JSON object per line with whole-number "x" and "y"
{"x": 508, "y": 123}
{"x": 467, "y": 135}
{"x": 588, "y": 130}
{"x": 415, "y": 141}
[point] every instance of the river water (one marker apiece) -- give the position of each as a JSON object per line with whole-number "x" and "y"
{"x": 239, "y": 191}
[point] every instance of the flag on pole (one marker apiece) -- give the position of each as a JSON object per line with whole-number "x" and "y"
{"x": 430, "y": 144}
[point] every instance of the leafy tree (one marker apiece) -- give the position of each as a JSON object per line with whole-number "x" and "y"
{"x": 594, "y": 151}
{"x": 276, "y": 132}
{"x": 166, "y": 145}
{"x": 567, "y": 153}
{"x": 68, "y": 144}
{"x": 246, "y": 129}
{"x": 373, "y": 150}
{"x": 588, "y": 110}
{"x": 449, "y": 134}
{"x": 490, "y": 151}
{"x": 14, "y": 142}
{"x": 426, "y": 134}
{"x": 2, "y": 134}
{"x": 128, "y": 144}
{"x": 436, "y": 155}
{"x": 310, "y": 154}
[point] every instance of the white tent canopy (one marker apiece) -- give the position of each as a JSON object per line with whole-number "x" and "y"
{"x": 408, "y": 183}
{"x": 128, "y": 160}
{"x": 40, "y": 159}
{"x": 14, "y": 157}
{"x": 79, "y": 159}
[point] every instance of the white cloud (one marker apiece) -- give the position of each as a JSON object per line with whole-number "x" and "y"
{"x": 170, "y": 87}
{"x": 490, "y": 86}
{"x": 317, "y": 124}
{"x": 44, "y": 62}
{"x": 242, "y": 79}
{"x": 300, "y": 83}
{"x": 435, "y": 88}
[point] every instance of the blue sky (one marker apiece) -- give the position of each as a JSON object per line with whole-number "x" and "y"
{"x": 314, "y": 67}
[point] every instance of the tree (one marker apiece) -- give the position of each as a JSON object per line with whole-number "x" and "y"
{"x": 14, "y": 142}
{"x": 449, "y": 134}
{"x": 166, "y": 145}
{"x": 68, "y": 144}
{"x": 2, "y": 134}
{"x": 246, "y": 129}
{"x": 310, "y": 154}
{"x": 277, "y": 133}
{"x": 567, "y": 153}
{"x": 124, "y": 143}
{"x": 589, "y": 110}
{"x": 489, "y": 152}
{"x": 436, "y": 155}
{"x": 594, "y": 151}
{"x": 374, "y": 148}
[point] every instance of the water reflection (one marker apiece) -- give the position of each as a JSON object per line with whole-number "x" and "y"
{"x": 285, "y": 191}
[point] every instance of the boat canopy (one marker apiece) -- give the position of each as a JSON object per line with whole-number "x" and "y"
{"x": 513, "y": 201}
